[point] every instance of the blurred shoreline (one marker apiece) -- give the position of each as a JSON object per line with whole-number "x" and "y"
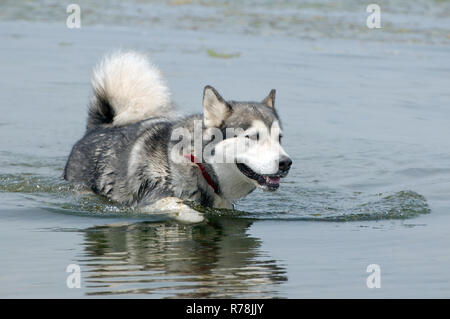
{"x": 423, "y": 21}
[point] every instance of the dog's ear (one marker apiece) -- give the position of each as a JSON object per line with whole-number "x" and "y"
{"x": 215, "y": 109}
{"x": 270, "y": 99}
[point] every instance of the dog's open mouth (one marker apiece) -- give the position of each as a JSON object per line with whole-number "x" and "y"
{"x": 269, "y": 182}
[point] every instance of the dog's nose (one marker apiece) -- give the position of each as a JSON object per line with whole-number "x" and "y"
{"x": 285, "y": 163}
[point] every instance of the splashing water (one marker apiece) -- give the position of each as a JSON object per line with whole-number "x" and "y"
{"x": 293, "y": 203}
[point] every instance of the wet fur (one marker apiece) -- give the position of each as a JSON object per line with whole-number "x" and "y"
{"x": 127, "y": 160}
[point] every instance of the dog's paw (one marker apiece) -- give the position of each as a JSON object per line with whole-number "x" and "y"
{"x": 176, "y": 209}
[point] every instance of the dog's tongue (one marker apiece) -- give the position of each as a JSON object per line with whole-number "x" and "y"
{"x": 272, "y": 180}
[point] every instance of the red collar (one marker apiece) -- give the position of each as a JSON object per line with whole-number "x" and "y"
{"x": 204, "y": 172}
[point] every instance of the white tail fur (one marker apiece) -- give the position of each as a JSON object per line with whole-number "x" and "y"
{"x": 127, "y": 89}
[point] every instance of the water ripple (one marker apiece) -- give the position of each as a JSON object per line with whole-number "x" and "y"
{"x": 294, "y": 202}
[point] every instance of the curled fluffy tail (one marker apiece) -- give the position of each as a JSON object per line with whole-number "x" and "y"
{"x": 127, "y": 89}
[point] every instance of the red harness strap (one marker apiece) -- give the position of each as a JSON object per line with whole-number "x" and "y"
{"x": 204, "y": 172}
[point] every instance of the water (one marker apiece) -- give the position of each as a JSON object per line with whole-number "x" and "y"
{"x": 366, "y": 119}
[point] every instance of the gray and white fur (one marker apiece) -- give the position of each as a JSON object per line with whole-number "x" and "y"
{"x": 125, "y": 154}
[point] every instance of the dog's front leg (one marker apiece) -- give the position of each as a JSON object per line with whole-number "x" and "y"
{"x": 220, "y": 202}
{"x": 174, "y": 208}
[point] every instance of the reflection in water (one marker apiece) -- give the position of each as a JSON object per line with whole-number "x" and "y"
{"x": 218, "y": 259}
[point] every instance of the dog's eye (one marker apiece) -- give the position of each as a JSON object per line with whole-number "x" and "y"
{"x": 253, "y": 137}
{"x": 280, "y": 137}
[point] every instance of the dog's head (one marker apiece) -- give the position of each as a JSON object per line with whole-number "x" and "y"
{"x": 251, "y": 144}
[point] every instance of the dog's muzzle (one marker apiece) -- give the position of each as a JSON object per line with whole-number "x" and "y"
{"x": 269, "y": 182}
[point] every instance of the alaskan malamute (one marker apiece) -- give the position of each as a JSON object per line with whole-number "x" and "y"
{"x": 136, "y": 151}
